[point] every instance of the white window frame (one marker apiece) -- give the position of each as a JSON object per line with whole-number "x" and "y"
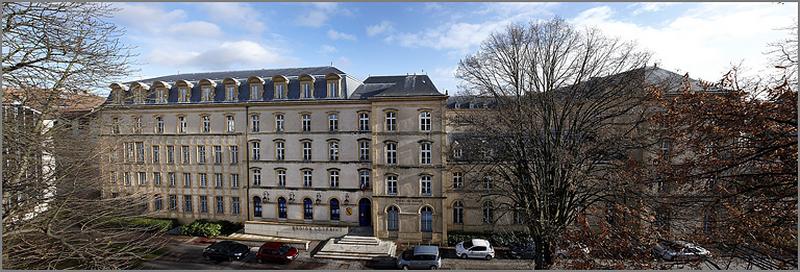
{"x": 333, "y": 178}
{"x": 425, "y": 121}
{"x": 391, "y": 185}
{"x": 391, "y": 121}
{"x": 363, "y": 121}
{"x": 280, "y": 150}
{"x": 255, "y": 148}
{"x": 308, "y": 178}
{"x": 426, "y": 185}
{"x": 391, "y": 153}
{"x": 306, "y": 150}
{"x": 333, "y": 151}
{"x": 231, "y": 121}
{"x": 425, "y": 153}
{"x": 280, "y": 121}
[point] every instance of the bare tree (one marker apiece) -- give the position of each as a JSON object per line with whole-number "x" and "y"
{"x": 52, "y": 214}
{"x": 566, "y": 106}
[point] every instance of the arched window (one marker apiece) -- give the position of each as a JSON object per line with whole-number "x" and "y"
{"x": 308, "y": 209}
{"x": 488, "y": 212}
{"x": 281, "y": 208}
{"x": 426, "y": 219}
{"x": 334, "y": 209}
{"x": 256, "y": 206}
{"x": 393, "y": 219}
{"x": 458, "y": 212}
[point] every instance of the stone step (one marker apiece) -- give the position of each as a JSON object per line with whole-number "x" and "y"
{"x": 359, "y": 238}
{"x": 361, "y": 243}
{"x": 343, "y": 253}
{"x": 348, "y": 255}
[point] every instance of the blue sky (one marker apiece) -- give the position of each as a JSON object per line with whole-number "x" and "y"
{"x": 364, "y": 39}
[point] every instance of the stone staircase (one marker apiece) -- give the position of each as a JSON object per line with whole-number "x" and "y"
{"x": 351, "y": 247}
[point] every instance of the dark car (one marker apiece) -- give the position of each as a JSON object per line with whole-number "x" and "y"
{"x": 523, "y": 250}
{"x": 421, "y": 257}
{"x": 276, "y": 252}
{"x": 226, "y": 251}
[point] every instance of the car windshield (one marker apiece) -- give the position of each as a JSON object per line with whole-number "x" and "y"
{"x": 468, "y": 244}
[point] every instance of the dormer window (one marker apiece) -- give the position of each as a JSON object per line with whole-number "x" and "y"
{"x": 306, "y": 86}
{"x": 183, "y": 94}
{"x": 161, "y": 96}
{"x": 139, "y": 92}
{"x": 281, "y": 87}
{"x": 334, "y": 89}
{"x": 230, "y": 93}
{"x": 255, "y": 92}
{"x": 161, "y": 92}
{"x": 207, "y": 94}
{"x": 118, "y": 92}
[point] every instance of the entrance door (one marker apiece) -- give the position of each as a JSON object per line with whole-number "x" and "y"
{"x": 364, "y": 212}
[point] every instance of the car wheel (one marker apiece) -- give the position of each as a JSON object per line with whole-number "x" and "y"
{"x": 463, "y": 256}
{"x": 433, "y": 267}
{"x": 405, "y": 267}
{"x": 488, "y": 257}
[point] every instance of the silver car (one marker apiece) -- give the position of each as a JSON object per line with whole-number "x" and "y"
{"x": 679, "y": 251}
{"x": 421, "y": 257}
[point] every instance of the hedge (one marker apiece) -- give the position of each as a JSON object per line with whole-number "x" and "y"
{"x": 210, "y": 228}
{"x": 150, "y": 224}
{"x": 500, "y": 238}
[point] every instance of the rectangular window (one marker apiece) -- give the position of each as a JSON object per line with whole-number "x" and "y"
{"x": 279, "y": 121}
{"x": 170, "y": 154}
{"x": 256, "y": 150}
{"x": 183, "y": 95}
{"x": 363, "y": 121}
{"x": 458, "y": 181}
{"x": 391, "y": 153}
{"x": 306, "y": 124}
{"x": 140, "y": 152}
{"x": 234, "y": 180}
{"x": 156, "y": 154}
{"x": 307, "y": 182}
{"x": 332, "y": 90}
{"x": 391, "y": 185}
{"x": 142, "y": 178}
{"x": 137, "y": 125}
{"x": 231, "y": 123}
{"x": 129, "y": 148}
{"x": 256, "y": 177}
{"x": 187, "y": 180}
{"x": 280, "y": 150}
{"x": 363, "y": 150}
{"x": 206, "y": 94}
{"x": 186, "y": 154}
{"x": 217, "y": 180}
{"x": 334, "y": 178}
{"x": 112, "y": 177}
{"x": 115, "y": 126}
{"x": 279, "y": 93}
{"x": 182, "y": 124}
{"x": 425, "y": 121}
{"x": 173, "y": 202}
{"x": 156, "y": 178}
{"x": 203, "y": 180}
{"x": 307, "y": 90}
{"x": 206, "y": 124}
{"x": 425, "y": 153}
{"x": 333, "y": 122}
{"x": 187, "y": 203}
{"x": 159, "y": 125}
{"x": 255, "y": 92}
{"x": 235, "y": 205}
{"x": 333, "y": 152}
{"x": 281, "y": 178}
{"x": 234, "y": 150}
{"x": 255, "y": 123}
{"x": 230, "y": 94}
{"x": 201, "y": 154}
{"x": 425, "y": 186}
{"x": 158, "y": 204}
{"x": 391, "y": 121}
{"x": 363, "y": 178}
{"x": 217, "y": 154}
{"x": 306, "y": 151}
{"x": 172, "y": 178}
{"x": 127, "y": 177}
{"x": 203, "y": 204}
{"x": 220, "y": 205}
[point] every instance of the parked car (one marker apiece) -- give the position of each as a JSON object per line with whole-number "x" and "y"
{"x": 475, "y": 248}
{"x": 421, "y": 257}
{"x": 276, "y": 252}
{"x": 226, "y": 251}
{"x": 679, "y": 251}
{"x": 523, "y": 250}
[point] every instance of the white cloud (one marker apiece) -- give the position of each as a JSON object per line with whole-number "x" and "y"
{"x": 195, "y": 29}
{"x": 226, "y": 55}
{"x": 149, "y": 18}
{"x": 383, "y": 27}
{"x": 342, "y": 62}
{"x": 335, "y": 35}
{"x": 319, "y": 13}
{"x": 327, "y": 49}
{"x": 239, "y": 14}
{"x": 445, "y": 79}
{"x": 649, "y": 7}
{"x": 703, "y": 41}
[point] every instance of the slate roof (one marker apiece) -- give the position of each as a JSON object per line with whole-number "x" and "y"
{"x": 396, "y": 86}
{"x": 375, "y": 86}
{"x": 263, "y": 73}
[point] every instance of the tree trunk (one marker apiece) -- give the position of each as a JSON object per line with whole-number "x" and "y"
{"x": 544, "y": 254}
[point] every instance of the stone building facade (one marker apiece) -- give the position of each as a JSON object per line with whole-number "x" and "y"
{"x": 309, "y": 146}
